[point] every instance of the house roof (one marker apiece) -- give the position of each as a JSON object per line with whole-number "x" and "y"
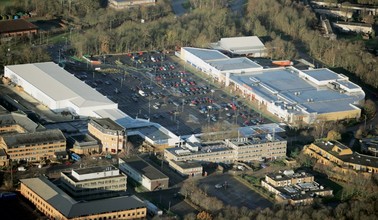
{"x": 10, "y": 26}
{"x": 71, "y": 208}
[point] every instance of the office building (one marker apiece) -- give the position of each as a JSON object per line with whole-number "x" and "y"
{"x": 56, "y": 204}
{"x": 94, "y": 182}
{"x": 256, "y": 148}
{"x": 36, "y": 146}
{"x": 112, "y": 136}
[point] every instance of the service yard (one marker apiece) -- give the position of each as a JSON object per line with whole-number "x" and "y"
{"x": 232, "y": 192}
{"x": 152, "y": 86}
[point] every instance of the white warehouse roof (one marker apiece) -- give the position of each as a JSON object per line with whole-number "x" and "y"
{"x": 240, "y": 45}
{"x": 59, "y": 85}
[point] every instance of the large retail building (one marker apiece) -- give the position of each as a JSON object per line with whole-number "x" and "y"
{"x": 57, "y": 89}
{"x": 294, "y": 96}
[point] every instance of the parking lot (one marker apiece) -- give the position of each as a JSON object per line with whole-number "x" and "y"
{"x": 152, "y": 86}
{"x": 232, "y": 192}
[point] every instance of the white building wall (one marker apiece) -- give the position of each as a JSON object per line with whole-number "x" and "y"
{"x": 30, "y": 89}
{"x": 89, "y": 176}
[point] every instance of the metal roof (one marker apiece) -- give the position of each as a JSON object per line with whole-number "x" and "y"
{"x": 206, "y": 54}
{"x": 235, "y": 64}
{"x": 280, "y": 84}
{"x": 59, "y": 84}
{"x": 240, "y": 45}
{"x": 70, "y": 208}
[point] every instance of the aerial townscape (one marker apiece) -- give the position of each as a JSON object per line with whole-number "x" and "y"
{"x": 188, "y": 109}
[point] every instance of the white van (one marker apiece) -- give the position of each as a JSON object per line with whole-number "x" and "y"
{"x": 142, "y": 93}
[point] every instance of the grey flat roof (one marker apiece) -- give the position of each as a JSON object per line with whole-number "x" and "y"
{"x": 144, "y": 168}
{"x": 206, "y": 54}
{"x": 348, "y": 84}
{"x": 280, "y": 84}
{"x": 107, "y": 123}
{"x": 82, "y": 138}
{"x": 98, "y": 169}
{"x": 322, "y": 74}
{"x": 234, "y": 64}
{"x": 71, "y": 208}
{"x": 14, "y": 140}
{"x": 151, "y": 132}
{"x": 59, "y": 84}
{"x": 187, "y": 164}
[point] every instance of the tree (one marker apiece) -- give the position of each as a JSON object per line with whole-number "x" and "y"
{"x": 370, "y": 108}
{"x": 204, "y": 216}
{"x": 333, "y": 135}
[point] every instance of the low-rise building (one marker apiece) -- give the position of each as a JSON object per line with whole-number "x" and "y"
{"x": 35, "y": 146}
{"x": 94, "y": 182}
{"x": 17, "y": 28}
{"x": 56, "y": 204}
{"x": 111, "y": 135}
{"x": 186, "y": 168}
{"x": 143, "y": 173}
{"x": 83, "y": 144}
{"x": 336, "y": 153}
{"x": 294, "y": 188}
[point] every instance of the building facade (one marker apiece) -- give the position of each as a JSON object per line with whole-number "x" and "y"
{"x": 56, "y": 204}
{"x": 111, "y": 135}
{"x": 143, "y": 173}
{"x": 34, "y": 146}
{"x": 94, "y": 182}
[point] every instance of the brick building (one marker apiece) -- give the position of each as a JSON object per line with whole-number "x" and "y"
{"x": 111, "y": 135}
{"x": 17, "y": 28}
